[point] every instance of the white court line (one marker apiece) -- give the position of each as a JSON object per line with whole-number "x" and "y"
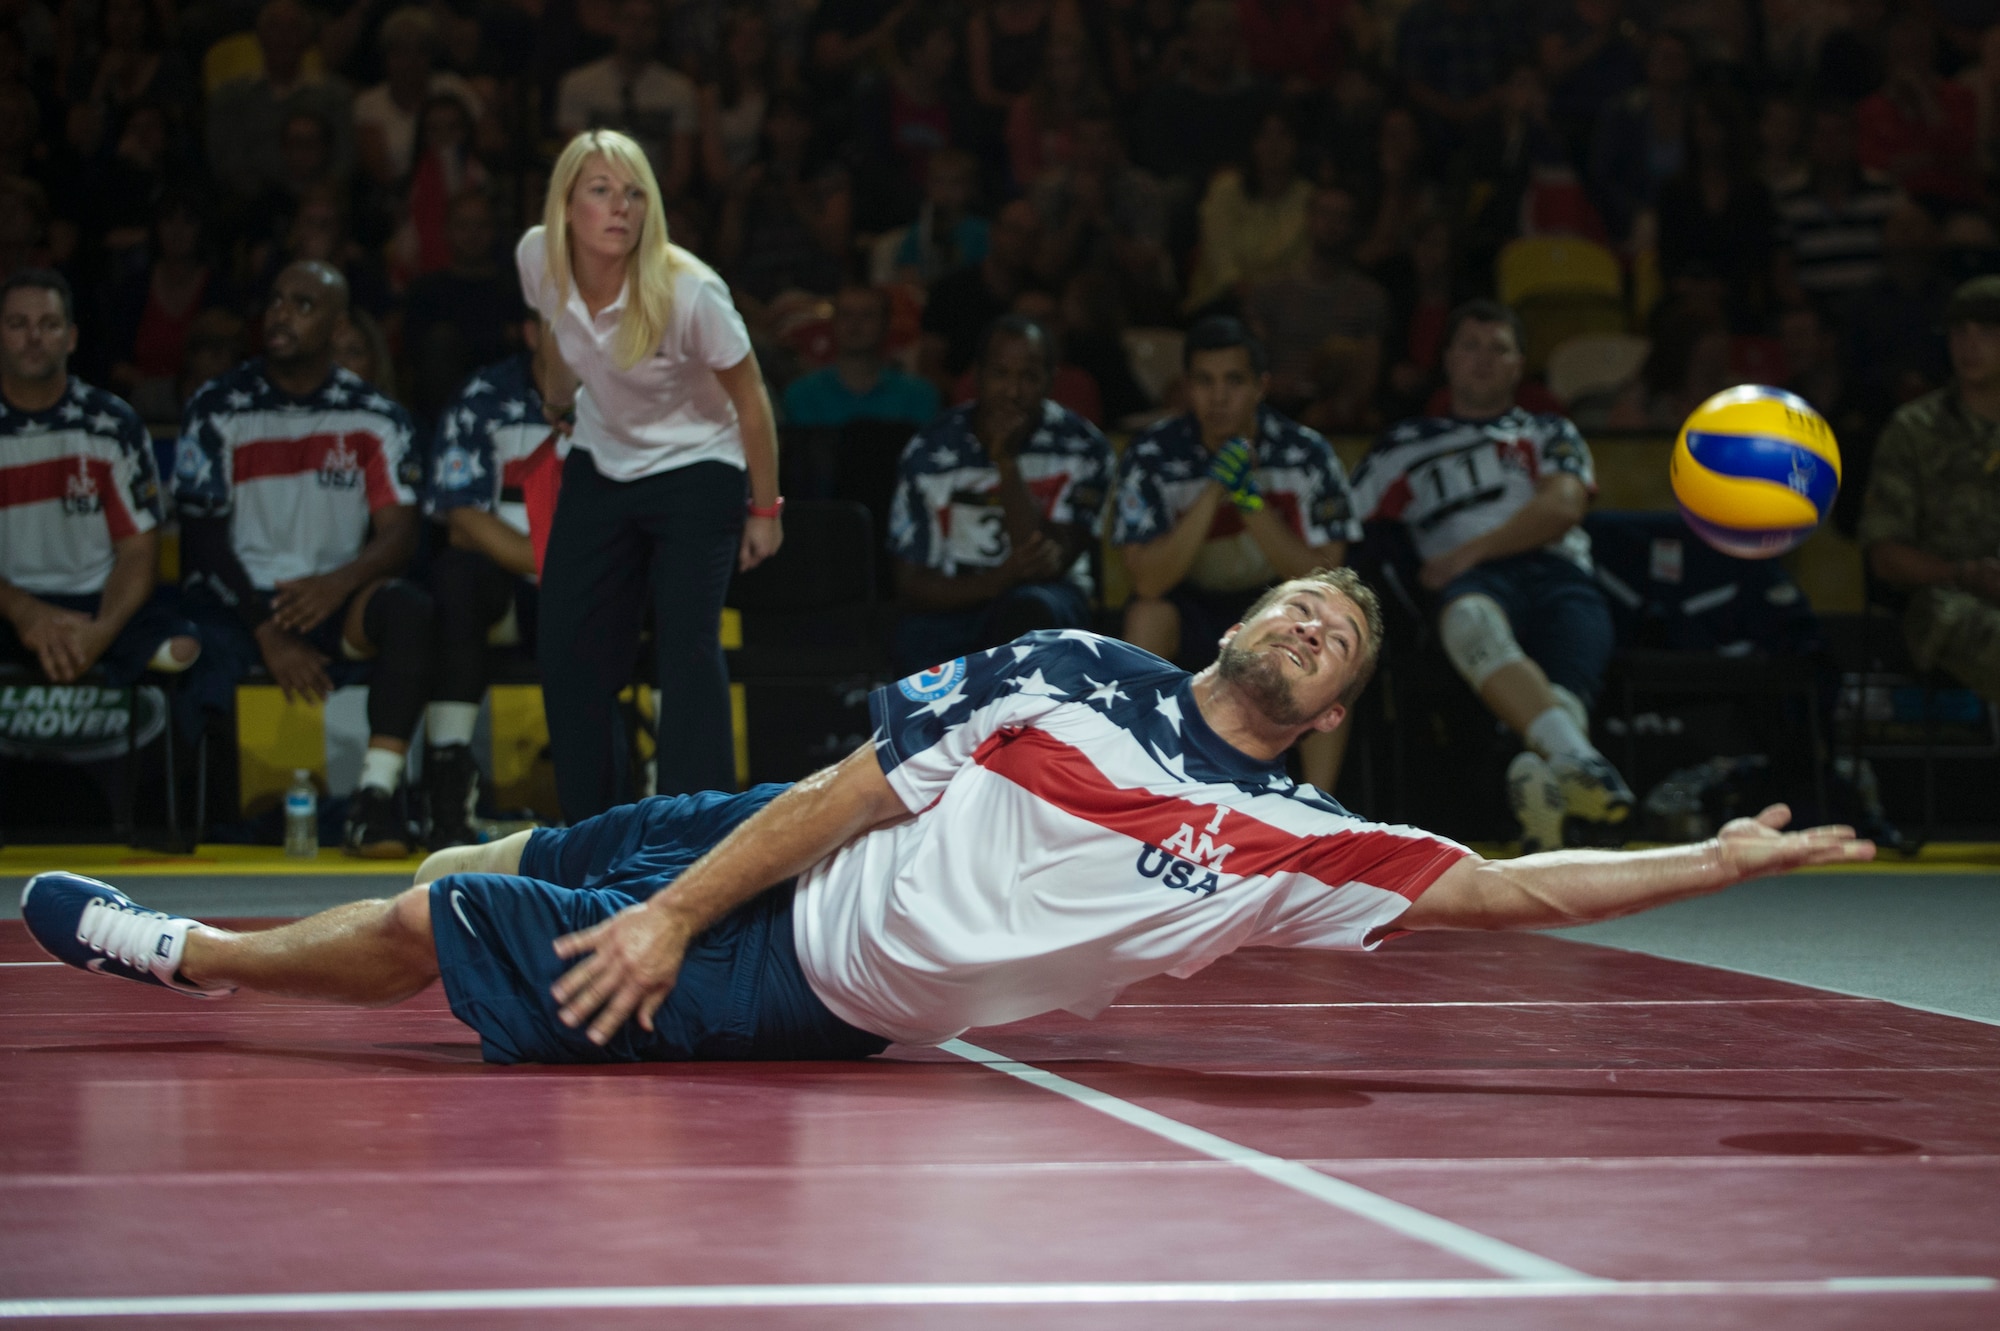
{"x": 1526, "y": 1002}
{"x": 10, "y": 964}
{"x": 1480, "y": 1249}
{"x": 934, "y": 1295}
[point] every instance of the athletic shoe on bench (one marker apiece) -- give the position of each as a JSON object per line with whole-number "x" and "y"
{"x": 95, "y": 927}
{"x": 1592, "y": 789}
{"x": 1537, "y": 802}
{"x": 451, "y": 788}
{"x": 376, "y": 828}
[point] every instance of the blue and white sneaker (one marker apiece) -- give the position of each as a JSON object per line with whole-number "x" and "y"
{"x": 95, "y": 927}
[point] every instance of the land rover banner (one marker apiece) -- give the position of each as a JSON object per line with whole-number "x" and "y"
{"x": 75, "y": 723}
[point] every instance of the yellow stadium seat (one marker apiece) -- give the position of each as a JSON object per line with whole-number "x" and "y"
{"x": 1562, "y": 287}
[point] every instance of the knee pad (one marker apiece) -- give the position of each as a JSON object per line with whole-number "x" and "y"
{"x": 399, "y": 613}
{"x": 1478, "y": 638}
{"x": 1572, "y": 704}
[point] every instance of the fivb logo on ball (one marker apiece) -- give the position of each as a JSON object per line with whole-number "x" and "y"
{"x": 1755, "y": 471}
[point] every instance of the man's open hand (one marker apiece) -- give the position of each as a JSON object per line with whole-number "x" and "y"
{"x": 1754, "y": 847}
{"x": 634, "y": 958}
{"x": 302, "y": 604}
{"x": 65, "y": 642}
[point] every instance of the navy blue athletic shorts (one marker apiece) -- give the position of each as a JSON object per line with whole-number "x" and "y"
{"x": 740, "y": 994}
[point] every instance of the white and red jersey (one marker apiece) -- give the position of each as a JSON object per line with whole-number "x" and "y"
{"x": 1078, "y": 828}
{"x": 75, "y": 480}
{"x": 298, "y": 477}
{"x": 1451, "y": 480}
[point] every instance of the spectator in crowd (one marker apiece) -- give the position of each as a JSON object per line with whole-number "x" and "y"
{"x": 631, "y": 90}
{"x": 1895, "y": 349}
{"x": 1494, "y": 499}
{"x": 1590, "y": 62}
{"x": 1253, "y": 221}
{"x": 1931, "y": 521}
{"x": 79, "y": 507}
{"x": 1299, "y": 45}
{"x": 947, "y": 234}
{"x": 444, "y": 167}
{"x": 787, "y": 221}
{"x": 151, "y": 311}
{"x": 259, "y": 223}
{"x": 1006, "y": 45}
{"x": 1102, "y": 212}
{"x": 1982, "y": 79}
{"x": 1144, "y": 39}
{"x": 362, "y": 349}
{"x": 1716, "y": 217}
{"x": 1919, "y": 130}
{"x": 1093, "y": 320}
{"x": 1070, "y": 385}
{"x": 387, "y": 116}
{"x": 964, "y": 304}
{"x": 862, "y": 383}
{"x": 1042, "y": 122}
{"x": 460, "y": 316}
{"x": 1781, "y": 142}
{"x": 907, "y": 119}
{"x": 844, "y": 37}
{"x": 1215, "y": 505}
{"x": 297, "y": 519}
{"x": 491, "y": 441}
{"x": 1641, "y": 139}
{"x": 319, "y": 232}
{"x": 214, "y": 343}
{"x": 131, "y": 68}
{"x": 246, "y": 116}
{"x": 1453, "y": 56}
{"x": 1812, "y": 362}
{"x": 997, "y": 509}
{"x": 1197, "y": 122}
{"x": 1830, "y": 223}
{"x": 1423, "y": 287}
{"x": 672, "y": 482}
{"x": 1687, "y": 361}
{"x": 733, "y": 106}
{"x": 1326, "y": 310}
{"x": 1402, "y": 192}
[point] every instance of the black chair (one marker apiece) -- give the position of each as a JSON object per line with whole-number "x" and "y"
{"x": 814, "y": 640}
{"x": 123, "y": 793}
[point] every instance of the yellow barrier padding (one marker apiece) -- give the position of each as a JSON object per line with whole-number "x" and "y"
{"x": 274, "y": 738}
{"x": 739, "y": 726}
{"x": 523, "y": 775}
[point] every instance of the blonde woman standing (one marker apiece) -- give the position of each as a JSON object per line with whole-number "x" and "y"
{"x": 645, "y": 362}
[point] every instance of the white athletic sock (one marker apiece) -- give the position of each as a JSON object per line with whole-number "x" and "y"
{"x": 448, "y": 723}
{"x": 1555, "y": 734}
{"x": 381, "y": 769}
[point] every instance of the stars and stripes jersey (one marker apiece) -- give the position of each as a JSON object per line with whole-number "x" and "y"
{"x": 946, "y": 513}
{"x": 1451, "y": 480}
{"x": 1078, "y": 827}
{"x": 485, "y": 440}
{"x": 74, "y": 481}
{"x": 1162, "y": 473}
{"x": 298, "y": 477}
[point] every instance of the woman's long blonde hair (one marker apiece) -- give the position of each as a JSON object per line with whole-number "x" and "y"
{"x": 649, "y": 272}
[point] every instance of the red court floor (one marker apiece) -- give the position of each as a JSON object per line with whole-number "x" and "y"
{"x": 1457, "y": 1131}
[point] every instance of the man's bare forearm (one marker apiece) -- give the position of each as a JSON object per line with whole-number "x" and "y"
{"x": 135, "y": 570}
{"x": 1158, "y": 566}
{"x": 783, "y": 839}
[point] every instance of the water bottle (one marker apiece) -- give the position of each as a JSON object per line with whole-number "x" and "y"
{"x": 302, "y": 817}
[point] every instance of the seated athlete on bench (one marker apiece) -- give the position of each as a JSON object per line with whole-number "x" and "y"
{"x": 1035, "y": 827}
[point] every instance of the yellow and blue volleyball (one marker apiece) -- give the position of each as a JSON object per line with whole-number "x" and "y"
{"x": 1755, "y": 471}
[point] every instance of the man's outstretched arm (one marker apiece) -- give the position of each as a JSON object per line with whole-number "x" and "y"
{"x": 634, "y": 956}
{"x": 1577, "y": 886}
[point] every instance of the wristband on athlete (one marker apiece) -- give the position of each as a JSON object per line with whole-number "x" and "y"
{"x": 776, "y": 509}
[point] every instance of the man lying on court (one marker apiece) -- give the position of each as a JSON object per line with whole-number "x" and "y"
{"x": 1035, "y": 827}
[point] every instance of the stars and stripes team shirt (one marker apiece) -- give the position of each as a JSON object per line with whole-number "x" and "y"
{"x": 1165, "y": 467}
{"x": 1078, "y": 827}
{"x": 74, "y": 481}
{"x": 297, "y": 477}
{"x": 947, "y": 514}
{"x": 1451, "y": 480}
{"x": 488, "y": 439}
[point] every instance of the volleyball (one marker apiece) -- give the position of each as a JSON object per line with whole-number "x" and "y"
{"x": 1755, "y": 470}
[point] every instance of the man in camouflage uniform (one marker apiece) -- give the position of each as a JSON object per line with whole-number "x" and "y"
{"x": 1931, "y": 520}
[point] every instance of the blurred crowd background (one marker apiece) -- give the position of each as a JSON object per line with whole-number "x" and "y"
{"x": 1789, "y": 188}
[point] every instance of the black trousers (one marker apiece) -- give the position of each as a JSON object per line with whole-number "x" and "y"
{"x": 667, "y": 542}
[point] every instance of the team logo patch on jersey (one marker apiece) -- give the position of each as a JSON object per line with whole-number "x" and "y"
{"x": 926, "y": 685}
{"x": 80, "y": 497}
{"x": 457, "y": 469}
{"x": 340, "y": 467}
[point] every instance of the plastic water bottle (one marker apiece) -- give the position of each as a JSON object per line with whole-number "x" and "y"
{"x": 302, "y": 817}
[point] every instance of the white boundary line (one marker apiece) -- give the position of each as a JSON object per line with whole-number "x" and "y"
{"x": 13, "y": 964}
{"x": 1470, "y": 1245}
{"x": 935, "y": 1295}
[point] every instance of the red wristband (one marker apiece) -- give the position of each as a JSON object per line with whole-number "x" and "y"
{"x": 777, "y": 507}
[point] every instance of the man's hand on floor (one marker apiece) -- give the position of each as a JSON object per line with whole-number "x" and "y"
{"x": 634, "y": 958}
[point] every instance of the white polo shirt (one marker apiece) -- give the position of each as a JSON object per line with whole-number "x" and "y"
{"x": 669, "y": 410}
